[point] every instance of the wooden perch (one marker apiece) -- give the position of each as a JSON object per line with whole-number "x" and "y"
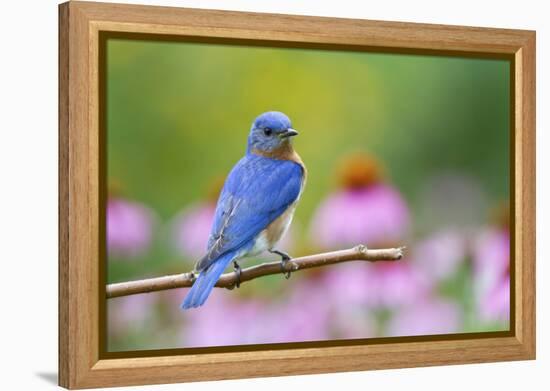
{"x": 228, "y": 280}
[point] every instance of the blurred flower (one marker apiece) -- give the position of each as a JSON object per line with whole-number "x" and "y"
{"x": 364, "y": 211}
{"x": 224, "y": 321}
{"x": 388, "y": 285}
{"x": 351, "y": 322}
{"x": 129, "y": 227}
{"x": 395, "y": 284}
{"x": 129, "y": 313}
{"x": 439, "y": 256}
{"x": 372, "y": 215}
{"x": 192, "y": 229}
{"x": 495, "y": 305}
{"x": 347, "y": 284}
{"x": 492, "y": 274}
{"x": 304, "y": 316}
{"x": 433, "y": 316}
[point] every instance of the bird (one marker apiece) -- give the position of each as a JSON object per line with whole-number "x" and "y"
{"x": 256, "y": 205}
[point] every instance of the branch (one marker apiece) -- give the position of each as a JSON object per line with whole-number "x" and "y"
{"x": 228, "y": 280}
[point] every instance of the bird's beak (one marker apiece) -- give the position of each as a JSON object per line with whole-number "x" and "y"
{"x": 289, "y": 133}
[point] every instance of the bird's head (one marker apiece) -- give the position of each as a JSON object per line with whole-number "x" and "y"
{"x": 270, "y": 131}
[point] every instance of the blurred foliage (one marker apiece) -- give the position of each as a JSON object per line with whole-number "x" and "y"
{"x": 178, "y": 115}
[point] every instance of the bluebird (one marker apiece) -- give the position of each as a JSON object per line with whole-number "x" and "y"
{"x": 256, "y": 205}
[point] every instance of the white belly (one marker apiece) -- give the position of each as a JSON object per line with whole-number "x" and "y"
{"x": 270, "y": 236}
{"x": 260, "y": 245}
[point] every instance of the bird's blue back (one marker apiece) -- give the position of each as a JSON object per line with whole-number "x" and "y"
{"x": 256, "y": 192}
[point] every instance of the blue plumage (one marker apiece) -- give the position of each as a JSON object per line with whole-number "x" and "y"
{"x": 256, "y": 204}
{"x": 205, "y": 282}
{"x": 256, "y": 192}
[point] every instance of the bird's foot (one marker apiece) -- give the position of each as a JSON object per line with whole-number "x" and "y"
{"x": 285, "y": 258}
{"x": 238, "y": 271}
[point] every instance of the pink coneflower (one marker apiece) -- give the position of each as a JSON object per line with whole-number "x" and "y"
{"x": 192, "y": 229}
{"x": 303, "y": 316}
{"x": 439, "y": 256}
{"x": 373, "y": 215}
{"x": 224, "y": 321}
{"x": 129, "y": 313}
{"x": 492, "y": 274}
{"x": 129, "y": 228}
{"x": 365, "y": 210}
{"x": 495, "y": 305}
{"x": 351, "y": 322}
{"x": 428, "y": 317}
{"x": 388, "y": 285}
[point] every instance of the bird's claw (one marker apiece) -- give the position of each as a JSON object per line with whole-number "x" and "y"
{"x": 238, "y": 271}
{"x": 285, "y": 258}
{"x": 286, "y": 273}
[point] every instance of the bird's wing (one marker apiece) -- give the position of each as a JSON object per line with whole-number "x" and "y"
{"x": 256, "y": 192}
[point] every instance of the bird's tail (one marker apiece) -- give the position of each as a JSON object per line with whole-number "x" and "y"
{"x": 205, "y": 282}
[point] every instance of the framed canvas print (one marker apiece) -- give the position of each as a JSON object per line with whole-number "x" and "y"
{"x": 247, "y": 195}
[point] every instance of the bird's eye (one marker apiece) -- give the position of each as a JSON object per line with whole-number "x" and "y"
{"x": 268, "y": 131}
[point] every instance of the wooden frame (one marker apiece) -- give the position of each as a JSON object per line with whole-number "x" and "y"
{"x": 81, "y": 364}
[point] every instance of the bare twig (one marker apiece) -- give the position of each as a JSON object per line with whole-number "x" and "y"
{"x": 228, "y": 280}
